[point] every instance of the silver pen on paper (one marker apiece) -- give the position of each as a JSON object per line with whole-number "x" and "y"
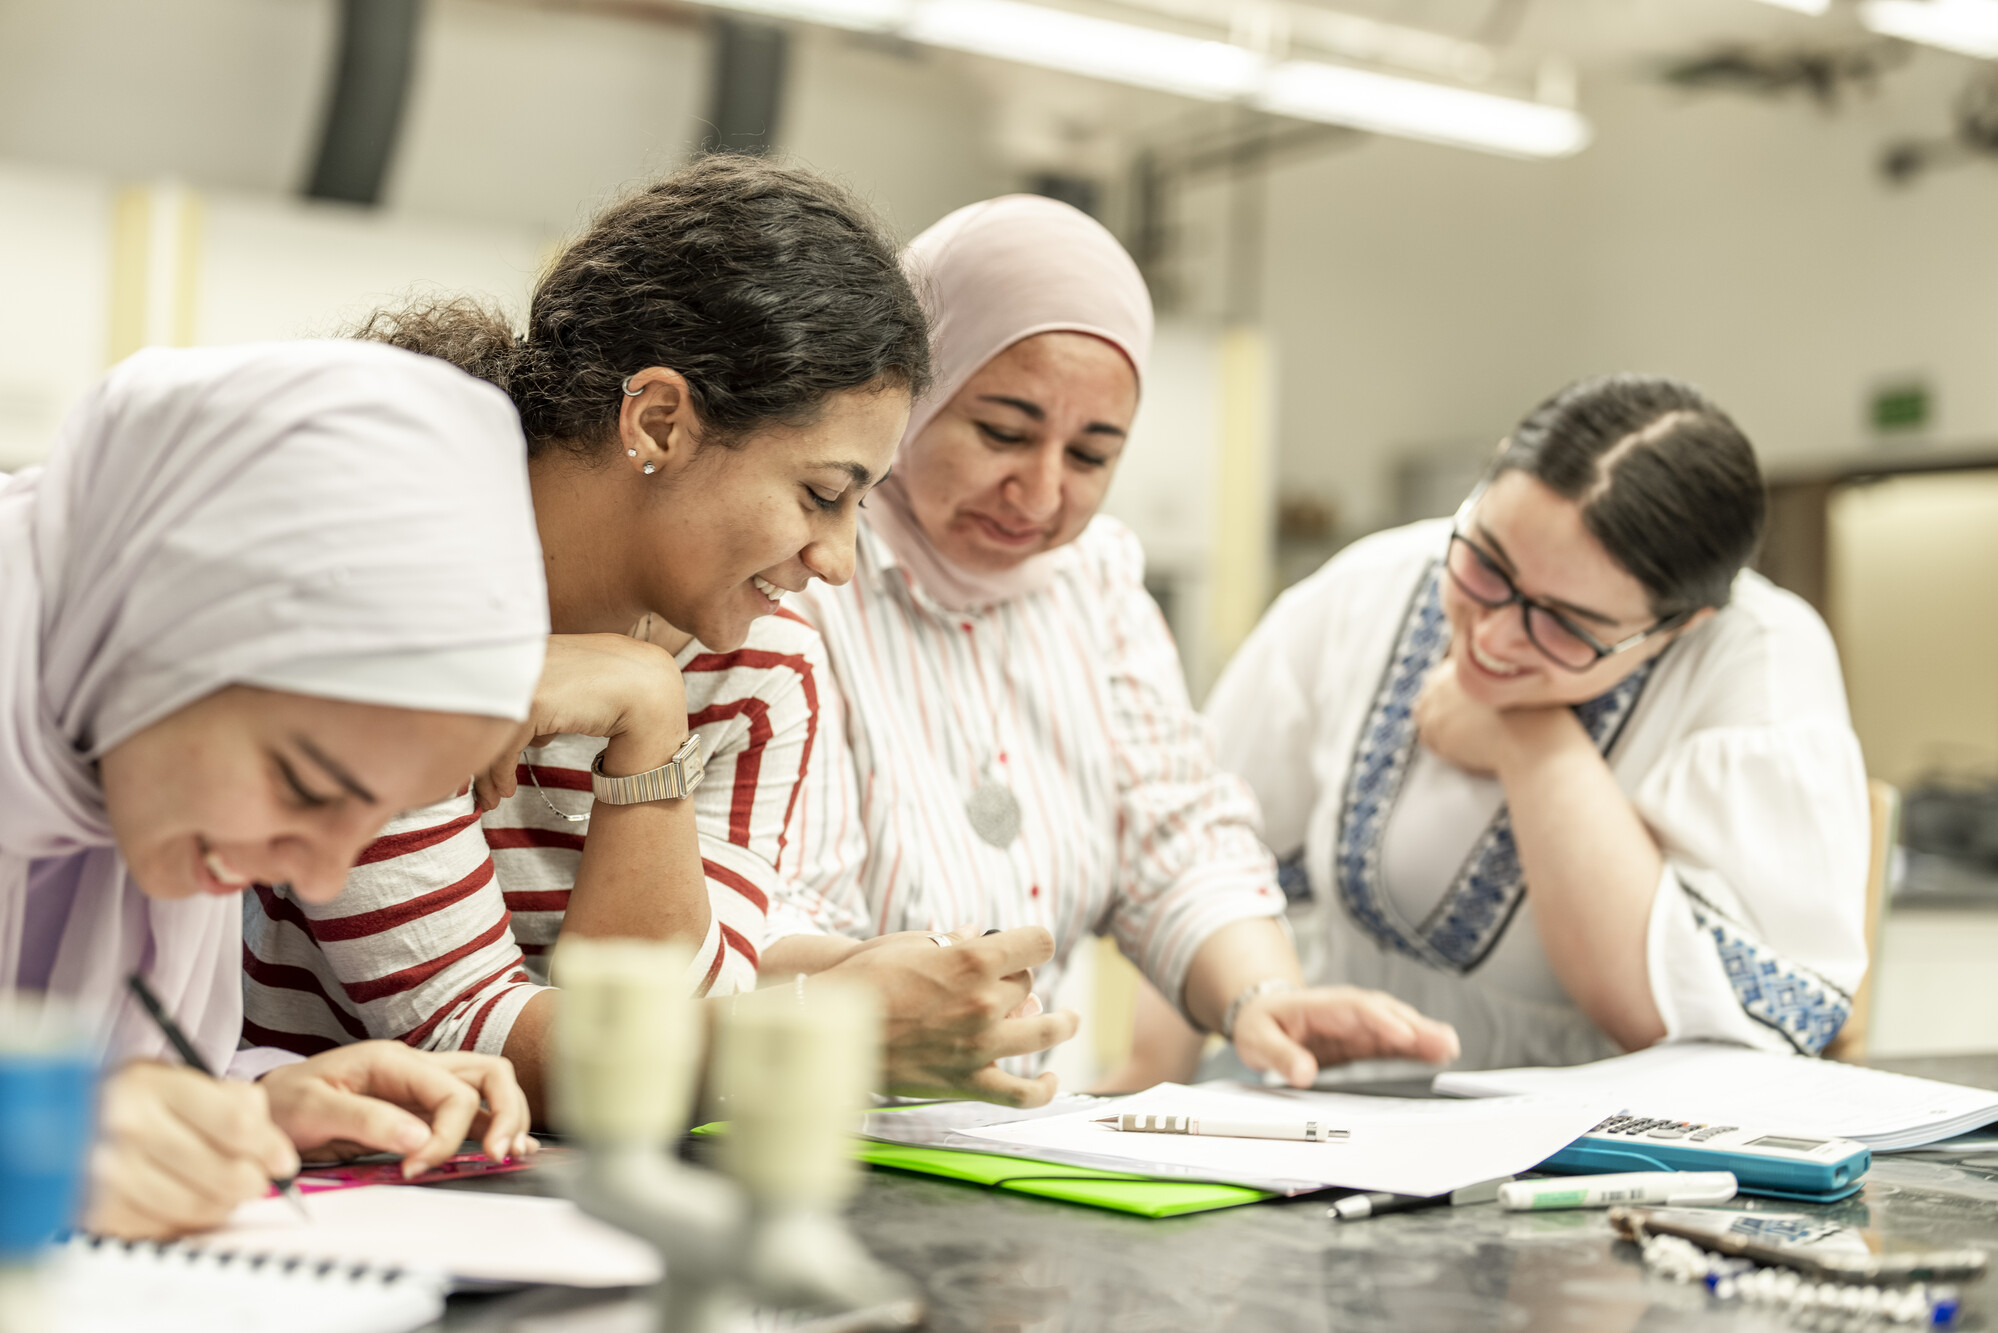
{"x": 1301, "y": 1131}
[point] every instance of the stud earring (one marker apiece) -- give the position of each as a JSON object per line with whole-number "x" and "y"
{"x": 649, "y": 469}
{"x": 631, "y": 453}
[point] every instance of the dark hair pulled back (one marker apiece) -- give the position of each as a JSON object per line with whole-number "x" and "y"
{"x": 768, "y": 287}
{"x": 1665, "y": 480}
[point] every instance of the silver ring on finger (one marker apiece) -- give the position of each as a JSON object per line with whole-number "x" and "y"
{"x": 941, "y": 940}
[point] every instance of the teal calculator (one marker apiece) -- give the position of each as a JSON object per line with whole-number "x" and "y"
{"x": 1782, "y": 1166}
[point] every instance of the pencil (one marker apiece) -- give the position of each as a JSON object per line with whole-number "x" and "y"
{"x": 288, "y": 1186}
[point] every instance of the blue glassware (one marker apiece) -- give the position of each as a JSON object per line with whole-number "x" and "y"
{"x": 48, "y": 1084}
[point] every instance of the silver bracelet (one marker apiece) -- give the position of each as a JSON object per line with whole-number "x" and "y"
{"x": 1267, "y": 986}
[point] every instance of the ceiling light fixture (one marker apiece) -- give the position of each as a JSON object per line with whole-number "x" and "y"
{"x": 853, "y": 15}
{"x": 1801, "y": 6}
{"x": 1416, "y": 110}
{"x": 1099, "y": 48}
{"x": 1969, "y": 27}
{"x": 1202, "y": 68}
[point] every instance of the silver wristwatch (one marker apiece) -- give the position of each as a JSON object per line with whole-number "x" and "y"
{"x": 675, "y": 778}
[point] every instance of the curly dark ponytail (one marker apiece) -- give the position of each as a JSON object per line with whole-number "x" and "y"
{"x": 768, "y": 287}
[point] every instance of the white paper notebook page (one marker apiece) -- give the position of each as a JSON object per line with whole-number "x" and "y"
{"x": 1754, "y": 1089}
{"x": 482, "y": 1237}
{"x": 1403, "y": 1145}
{"x": 104, "y": 1286}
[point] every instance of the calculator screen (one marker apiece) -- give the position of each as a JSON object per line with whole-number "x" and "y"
{"x": 1795, "y": 1145}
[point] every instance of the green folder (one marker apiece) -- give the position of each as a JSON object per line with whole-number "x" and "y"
{"x": 1143, "y": 1195}
{"x": 1147, "y": 1196}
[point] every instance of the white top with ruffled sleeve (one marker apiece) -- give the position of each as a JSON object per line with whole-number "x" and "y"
{"x": 1738, "y": 752}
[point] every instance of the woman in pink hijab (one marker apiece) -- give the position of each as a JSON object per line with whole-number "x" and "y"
{"x": 260, "y": 599}
{"x": 1020, "y": 748}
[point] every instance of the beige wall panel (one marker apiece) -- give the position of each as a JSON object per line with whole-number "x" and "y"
{"x": 1914, "y": 603}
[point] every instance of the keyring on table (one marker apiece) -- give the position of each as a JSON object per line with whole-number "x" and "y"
{"x": 941, "y": 940}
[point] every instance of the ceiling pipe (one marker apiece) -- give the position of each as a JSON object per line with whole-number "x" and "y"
{"x": 371, "y": 78}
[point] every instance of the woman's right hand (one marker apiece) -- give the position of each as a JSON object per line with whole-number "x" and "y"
{"x": 176, "y": 1151}
{"x": 951, "y": 1013}
{"x": 608, "y": 685}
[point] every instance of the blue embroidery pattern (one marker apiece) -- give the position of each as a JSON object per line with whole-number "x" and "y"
{"x": 1473, "y": 914}
{"x": 1779, "y": 994}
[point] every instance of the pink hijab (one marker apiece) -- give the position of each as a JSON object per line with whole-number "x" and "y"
{"x": 989, "y": 275}
{"x": 266, "y": 513}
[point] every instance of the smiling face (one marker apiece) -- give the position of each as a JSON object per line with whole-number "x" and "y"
{"x": 1539, "y": 540}
{"x": 729, "y": 530}
{"x": 260, "y": 786}
{"x": 1018, "y": 461}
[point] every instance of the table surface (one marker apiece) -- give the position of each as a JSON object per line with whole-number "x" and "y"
{"x": 993, "y": 1262}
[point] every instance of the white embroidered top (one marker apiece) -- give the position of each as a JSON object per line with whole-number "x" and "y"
{"x": 1736, "y": 748}
{"x": 1073, "y": 697}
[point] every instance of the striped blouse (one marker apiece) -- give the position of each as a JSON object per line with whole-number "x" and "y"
{"x": 442, "y": 933}
{"x": 1073, "y": 698}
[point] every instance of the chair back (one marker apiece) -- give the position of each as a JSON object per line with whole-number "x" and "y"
{"x": 1883, "y": 800}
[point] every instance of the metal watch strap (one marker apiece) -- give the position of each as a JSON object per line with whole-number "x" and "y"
{"x": 675, "y": 778}
{"x": 1267, "y": 986}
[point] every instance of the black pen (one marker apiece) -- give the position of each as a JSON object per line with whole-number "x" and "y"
{"x": 192, "y": 1058}
{"x": 1372, "y": 1203}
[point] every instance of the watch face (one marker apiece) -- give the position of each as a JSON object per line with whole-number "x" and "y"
{"x": 694, "y": 766}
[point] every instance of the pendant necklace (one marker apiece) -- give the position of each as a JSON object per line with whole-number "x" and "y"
{"x": 992, "y": 808}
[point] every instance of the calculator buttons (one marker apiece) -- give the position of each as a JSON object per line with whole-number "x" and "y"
{"x": 1668, "y": 1132}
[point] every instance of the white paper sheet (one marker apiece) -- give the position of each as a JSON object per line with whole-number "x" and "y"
{"x": 1755, "y": 1090}
{"x": 1400, "y": 1144}
{"x": 476, "y": 1236}
{"x": 106, "y": 1286}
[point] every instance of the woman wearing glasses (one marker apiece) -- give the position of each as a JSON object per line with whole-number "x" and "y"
{"x": 1560, "y": 771}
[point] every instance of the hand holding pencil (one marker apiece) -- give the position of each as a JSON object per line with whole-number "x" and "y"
{"x": 179, "y": 1149}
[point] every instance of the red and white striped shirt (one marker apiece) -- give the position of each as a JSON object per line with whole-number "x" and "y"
{"x": 441, "y": 935}
{"x": 1073, "y": 698}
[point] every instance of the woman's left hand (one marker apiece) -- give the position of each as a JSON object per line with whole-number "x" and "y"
{"x": 1298, "y": 1032}
{"x": 1457, "y": 728}
{"x": 382, "y": 1096}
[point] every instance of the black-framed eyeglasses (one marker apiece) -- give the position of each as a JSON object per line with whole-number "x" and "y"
{"x": 1554, "y": 632}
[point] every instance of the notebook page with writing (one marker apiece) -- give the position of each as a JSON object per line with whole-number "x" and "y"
{"x": 473, "y": 1236}
{"x": 1755, "y": 1089}
{"x": 104, "y": 1286}
{"x": 1403, "y": 1145}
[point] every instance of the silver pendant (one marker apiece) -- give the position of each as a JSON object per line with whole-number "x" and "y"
{"x": 994, "y": 812}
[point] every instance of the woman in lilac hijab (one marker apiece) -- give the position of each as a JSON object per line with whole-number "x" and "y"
{"x": 259, "y": 600}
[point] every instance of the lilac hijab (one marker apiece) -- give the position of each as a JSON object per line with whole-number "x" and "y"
{"x": 225, "y": 515}
{"x": 990, "y": 275}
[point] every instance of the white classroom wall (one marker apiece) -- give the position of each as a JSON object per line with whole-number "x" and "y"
{"x": 1419, "y": 295}
{"x": 55, "y": 246}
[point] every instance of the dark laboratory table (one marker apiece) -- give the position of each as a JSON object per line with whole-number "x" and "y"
{"x": 1000, "y": 1263}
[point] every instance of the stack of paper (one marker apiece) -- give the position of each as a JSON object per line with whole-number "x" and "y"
{"x": 1755, "y": 1090}
{"x": 1402, "y": 1145}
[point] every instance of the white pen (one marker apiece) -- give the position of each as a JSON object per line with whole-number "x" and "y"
{"x": 1630, "y": 1187}
{"x": 1303, "y": 1131}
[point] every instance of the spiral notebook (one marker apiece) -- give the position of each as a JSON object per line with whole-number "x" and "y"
{"x": 107, "y": 1286}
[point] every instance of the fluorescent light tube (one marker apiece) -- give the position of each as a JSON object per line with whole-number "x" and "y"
{"x": 1969, "y": 27}
{"x": 854, "y": 15}
{"x": 1801, "y": 6}
{"x": 1417, "y": 110}
{"x": 1099, "y": 48}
